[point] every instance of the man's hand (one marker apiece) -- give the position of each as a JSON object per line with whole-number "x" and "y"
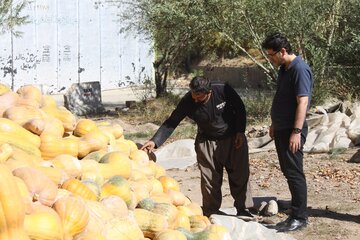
{"x": 294, "y": 142}
{"x": 271, "y": 132}
{"x": 148, "y": 146}
{"x": 239, "y": 139}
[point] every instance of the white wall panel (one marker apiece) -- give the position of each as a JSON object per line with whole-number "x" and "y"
{"x": 67, "y": 42}
{"x": 72, "y": 41}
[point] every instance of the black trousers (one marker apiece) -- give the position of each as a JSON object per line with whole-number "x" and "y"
{"x": 291, "y": 165}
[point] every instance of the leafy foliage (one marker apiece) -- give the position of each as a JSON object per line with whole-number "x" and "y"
{"x": 325, "y": 33}
{"x": 10, "y": 15}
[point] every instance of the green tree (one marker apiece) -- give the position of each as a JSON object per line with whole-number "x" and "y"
{"x": 318, "y": 29}
{"x": 10, "y": 15}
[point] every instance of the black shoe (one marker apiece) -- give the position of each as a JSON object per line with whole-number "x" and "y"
{"x": 245, "y": 215}
{"x": 291, "y": 224}
{"x": 218, "y": 212}
{"x": 283, "y": 223}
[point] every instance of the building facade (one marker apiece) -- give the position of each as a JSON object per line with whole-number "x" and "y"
{"x": 73, "y": 41}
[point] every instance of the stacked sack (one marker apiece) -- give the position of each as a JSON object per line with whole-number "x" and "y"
{"x": 65, "y": 178}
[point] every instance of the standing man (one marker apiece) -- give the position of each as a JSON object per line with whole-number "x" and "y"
{"x": 220, "y": 142}
{"x": 289, "y": 127}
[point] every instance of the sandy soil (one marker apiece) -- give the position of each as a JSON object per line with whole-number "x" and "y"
{"x": 333, "y": 189}
{"x": 333, "y": 192}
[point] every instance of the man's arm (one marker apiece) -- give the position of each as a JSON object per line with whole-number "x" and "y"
{"x": 168, "y": 127}
{"x": 300, "y": 114}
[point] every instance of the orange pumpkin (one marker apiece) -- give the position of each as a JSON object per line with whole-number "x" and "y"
{"x": 78, "y": 188}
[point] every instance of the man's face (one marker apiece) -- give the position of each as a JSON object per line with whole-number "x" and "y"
{"x": 276, "y": 57}
{"x": 200, "y": 97}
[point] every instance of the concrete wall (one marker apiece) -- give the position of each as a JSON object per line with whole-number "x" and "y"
{"x": 247, "y": 77}
{"x": 73, "y": 41}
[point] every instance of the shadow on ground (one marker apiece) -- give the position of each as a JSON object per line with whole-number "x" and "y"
{"x": 325, "y": 213}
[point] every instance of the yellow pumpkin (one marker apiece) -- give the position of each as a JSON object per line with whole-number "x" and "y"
{"x": 96, "y": 155}
{"x": 93, "y": 186}
{"x": 79, "y": 189}
{"x": 48, "y": 101}
{"x": 70, "y": 164}
{"x": 73, "y": 214}
{"x": 98, "y": 216}
{"x": 116, "y": 130}
{"x": 177, "y": 198}
{"x": 53, "y": 128}
{"x": 169, "y": 234}
{"x": 169, "y": 183}
{"x": 4, "y": 89}
{"x": 5, "y": 152}
{"x": 166, "y": 209}
{"x": 140, "y": 189}
{"x": 195, "y": 208}
{"x": 115, "y": 163}
{"x": 12, "y": 211}
{"x": 159, "y": 170}
{"x": 198, "y": 223}
{"x": 124, "y": 229}
{"x": 84, "y": 126}
{"x": 40, "y": 186}
{"x": 23, "y": 113}
{"x": 139, "y": 156}
{"x": 121, "y": 146}
{"x": 43, "y": 223}
{"x": 20, "y": 158}
{"x": 116, "y": 205}
{"x": 52, "y": 147}
{"x": 25, "y": 194}
{"x": 64, "y": 115}
{"x": 92, "y": 141}
{"x": 182, "y": 221}
{"x": 17, "y": 136}
{"x": 7, "y": 100}
{"x": 156, "y": 186}
{"x": 30, "y": 92}
{"x": 57, "y": 175}
{"x": 149, "y": 222}
{"x": 89, "y": 235}
{"x": 132, "y": 145}
{"x": 118, "y": 186}
{"x": 35, "y": 125}
{"x": 91, "y": 171}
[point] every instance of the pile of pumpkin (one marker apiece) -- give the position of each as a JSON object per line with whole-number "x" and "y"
{"x": 68, "y": 178}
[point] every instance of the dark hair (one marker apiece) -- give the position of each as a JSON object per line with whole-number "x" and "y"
{"x": 200, "y": 84}
{"x": 276, "y": 41}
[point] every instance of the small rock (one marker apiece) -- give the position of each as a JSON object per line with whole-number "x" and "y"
{"x": 272, "y": 208}
{"x": 355, "y": 158}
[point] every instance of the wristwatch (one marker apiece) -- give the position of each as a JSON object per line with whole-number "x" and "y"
{"x": 296, "y": 130}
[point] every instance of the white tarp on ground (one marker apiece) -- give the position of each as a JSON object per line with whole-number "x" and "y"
{"x": 240, "y": 229}
{"x": 179, "y": 154}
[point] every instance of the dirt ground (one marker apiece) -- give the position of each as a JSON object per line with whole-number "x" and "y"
{"x": 333, "y": 192}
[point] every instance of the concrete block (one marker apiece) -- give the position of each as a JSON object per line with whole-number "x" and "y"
{"x": 84, "y": 98}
